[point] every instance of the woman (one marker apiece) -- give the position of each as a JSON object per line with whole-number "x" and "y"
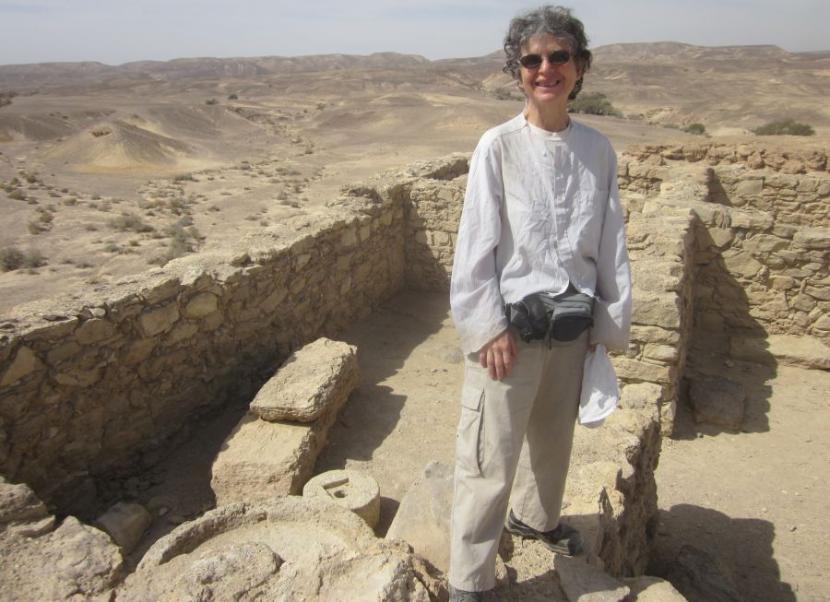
{"x": 541, "y": 220}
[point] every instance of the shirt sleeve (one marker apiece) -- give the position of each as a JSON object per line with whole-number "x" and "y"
{"x": 612, "y": 312}
{"x": 475, "y": 299}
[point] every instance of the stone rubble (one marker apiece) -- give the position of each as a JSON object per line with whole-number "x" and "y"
{"x": 125, "y": 523}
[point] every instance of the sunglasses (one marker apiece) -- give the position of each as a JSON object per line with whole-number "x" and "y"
{"x": 534, "y": 61}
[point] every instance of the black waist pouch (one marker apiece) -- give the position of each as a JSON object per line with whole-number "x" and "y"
{"x": 553, "y": 318}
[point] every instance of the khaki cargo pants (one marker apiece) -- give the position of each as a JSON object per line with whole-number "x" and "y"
{"x": 517, "y": 432}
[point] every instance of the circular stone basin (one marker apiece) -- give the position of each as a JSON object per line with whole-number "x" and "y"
{"x": 293, "y": 548}
{"x": 352, "y": 489}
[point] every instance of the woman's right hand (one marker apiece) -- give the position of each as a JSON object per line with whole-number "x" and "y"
{"x": 498, "y": 354}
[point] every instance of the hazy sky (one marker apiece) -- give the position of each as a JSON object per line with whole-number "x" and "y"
{"x": 118, "y": 31}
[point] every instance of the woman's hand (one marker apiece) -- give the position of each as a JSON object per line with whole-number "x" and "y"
{"x": 498, "y": 355}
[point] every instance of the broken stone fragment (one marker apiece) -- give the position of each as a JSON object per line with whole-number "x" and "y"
{"x": 19, "y": 504}
{"x": 318, "y": 376}
{"x": 351, "y": 489}
{"x": 73, "y": 562}
{"x": 653, "y": 589}
{"x": 582, "y": 582}
{"x": 423, "y": 517}
{"x": 125, "y": 523}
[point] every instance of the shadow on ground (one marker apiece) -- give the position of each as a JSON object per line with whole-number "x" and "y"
{"x": 712, "y": 557}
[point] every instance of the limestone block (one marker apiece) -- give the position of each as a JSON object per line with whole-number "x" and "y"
{"x": 351, "y": 489}
{"x": 653, "y": 589}
{"x": 582, "y": 582}
{"x": 818, "y": 292}
{"x": 24, "y": 363}
{"x": 125, "y": 523}
{"x": 812, "y": 238}
{"x": 201, "y": 305}
{"x": 79, "y": 377}
{"x": 294, "y": 548}
{"x": 764, "y": 244}
{"x": 640, "y": 395}
{"x": 750, "y": 220}
{"x": 158, "y": 320}
{"x": 423, "y": 517}
{"x": 656, "y": 310}
{"x": 63, "y": 352}
{"x": 721, "y": 236}
{"x": 741, "y": 263}
{"x": 654, "y": 334}
{"x": 318, "y": 376}
{"x": 629, "y": 369}
{"x": 262, "y": 460}
{"x": 73, "y": 562}
{"x": 94, "y": 330}
{"x": 718, "y": 400}
{"x": 661, "y": 353}
{"x": 750, "y": 187}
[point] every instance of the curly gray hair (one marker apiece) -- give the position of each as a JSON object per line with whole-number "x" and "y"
{"x": 556, "y": 21}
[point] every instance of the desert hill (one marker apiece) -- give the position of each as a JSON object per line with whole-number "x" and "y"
{"x": 107, "y": 170}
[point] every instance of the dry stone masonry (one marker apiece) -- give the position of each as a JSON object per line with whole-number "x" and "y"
{"x": 730, "y": 250}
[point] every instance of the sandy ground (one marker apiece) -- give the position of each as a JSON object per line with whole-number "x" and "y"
{"x": 754, "y": 500}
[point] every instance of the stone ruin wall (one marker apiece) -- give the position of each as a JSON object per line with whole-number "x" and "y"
{"x": 90, "y": 387}
{"x": 762, "y": 239}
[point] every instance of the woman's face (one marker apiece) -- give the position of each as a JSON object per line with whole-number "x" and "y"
{"x": 548, "y": 84}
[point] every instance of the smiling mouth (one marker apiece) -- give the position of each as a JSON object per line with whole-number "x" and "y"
{"x": 549, "y": 84}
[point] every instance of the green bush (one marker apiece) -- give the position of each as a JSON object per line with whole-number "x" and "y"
{"x": 695, "y": 128}
{"x": 788, "y": 127}
{"x": 594, "y": 103}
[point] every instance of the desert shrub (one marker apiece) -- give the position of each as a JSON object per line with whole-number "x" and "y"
{"x": 6, "y": 98}
{"x": 102, "y": 131}
{"x": 593, "y": 103}
{"x": 233, "y": 97}
{"x": 42, "y": 223}
{"x": 129, "y": 222}
{"x": 17, "y": 195}
{"x": 12, "y": 258}
{"x": 788, "y": 127}
{"x": 211, "y": 101}
{"x": 183, "y": 240}
{"x": 510, "y": 93}
{"x": 184, "y": 177}
{"x": 695, "y": 128}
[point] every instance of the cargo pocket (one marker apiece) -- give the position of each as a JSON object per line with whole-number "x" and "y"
{"x": 469, "y": 449}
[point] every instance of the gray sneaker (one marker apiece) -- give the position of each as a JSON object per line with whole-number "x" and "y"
{"x": 562, "y": 540}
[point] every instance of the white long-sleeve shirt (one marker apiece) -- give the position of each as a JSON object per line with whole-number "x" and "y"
{"x": 541, "y": 209}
